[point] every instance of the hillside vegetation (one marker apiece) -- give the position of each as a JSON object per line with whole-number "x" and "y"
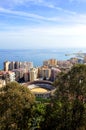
{"x": 66, "y": 110}
{"x": 68, "y": 107}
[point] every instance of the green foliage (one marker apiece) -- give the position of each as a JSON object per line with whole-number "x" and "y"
{"x": 15, "y": 107}
{"x": 38, "y": 115}
{"x": 67, "y": 110}
{"x": 42, "y": 100}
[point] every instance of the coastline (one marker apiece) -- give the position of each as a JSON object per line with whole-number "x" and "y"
{"x": 37, "y": 56}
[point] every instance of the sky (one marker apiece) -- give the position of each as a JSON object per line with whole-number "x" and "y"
{"x": 36, "y": 24}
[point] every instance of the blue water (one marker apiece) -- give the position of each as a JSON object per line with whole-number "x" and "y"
{"x": 36, "y": 56}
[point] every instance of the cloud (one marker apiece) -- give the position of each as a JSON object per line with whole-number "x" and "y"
{"x": 21, "y": 13}
{"x": 29, "y": 15}
{"x": 45, "y": 3}
{"x": 63, "y": 18}
{"x": 62, "y": 27}
{"x": 60, "y": 19}
{"x": 74, "y": 30}
{"x": 44, "y": 37}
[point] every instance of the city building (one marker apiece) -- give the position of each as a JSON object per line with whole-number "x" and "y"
{"x": 26, "y": 65}
{"x": 9, "y": 76}
{"x": 44, "y": 72}
{"x": 19, "y": 74}
{"x": 50, "y": 62}
{"x": 46, "y": 63}
{"x": 74, "y": 60}
{"x": 17, "y": 65}
{"x": 12, "y": 65}
{"x": 53, "y": 62}
{"x": 6, "y": 65}
{"x": 33, "y": 73}
{"x": 26, "y": 77}
{"x": 65, "y": 64}
{"x": 54, "y": 73}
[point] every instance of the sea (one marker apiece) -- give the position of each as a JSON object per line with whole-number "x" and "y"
{"x": 37, "y": 56}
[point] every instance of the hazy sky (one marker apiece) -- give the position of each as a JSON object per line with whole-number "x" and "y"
{"x": 28, "y": 24}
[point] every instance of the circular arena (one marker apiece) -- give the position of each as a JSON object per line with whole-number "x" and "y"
{"x": 43, "y": 89}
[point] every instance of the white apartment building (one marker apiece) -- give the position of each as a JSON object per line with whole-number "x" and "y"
{"x": 6, "y": 65}
{"x": 33, "y": 73}
{"x": 19, "y": 73}
{"x": 44, "y": 72}
{"x": 26, "y": 65}
{"x": 9, "y": 76}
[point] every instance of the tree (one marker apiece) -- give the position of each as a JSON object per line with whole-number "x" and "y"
{"x": 16, "y": 103}
{"x": 38, "y": 115}
{"x": 67, "y": 110}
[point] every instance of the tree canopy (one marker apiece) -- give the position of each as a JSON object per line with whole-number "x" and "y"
{"x": 15, "y": 107}
{"x": 67, "y": 110}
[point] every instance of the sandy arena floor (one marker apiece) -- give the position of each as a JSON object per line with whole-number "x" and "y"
{"x": 39, "y": 90}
